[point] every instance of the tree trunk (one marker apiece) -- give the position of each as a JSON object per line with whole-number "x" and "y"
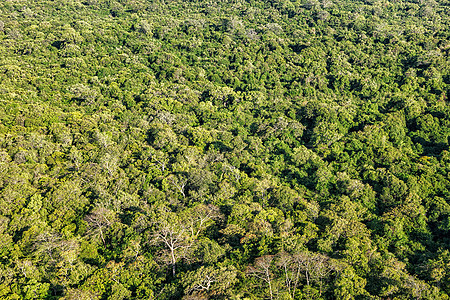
{"x": 173, "y": 262}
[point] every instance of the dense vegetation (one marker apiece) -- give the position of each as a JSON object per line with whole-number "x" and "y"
{"x": 225, "y": 150}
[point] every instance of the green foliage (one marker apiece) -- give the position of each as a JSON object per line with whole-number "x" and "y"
{"x": 224, "y": 150}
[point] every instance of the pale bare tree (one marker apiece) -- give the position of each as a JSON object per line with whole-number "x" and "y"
{"x": 179, "y": 182}
{"x": 261, "y": 270}
{"x": 178, "y": 232}
{"x": 99, "y": 220}
{"x": 172, "y": 233}
{"x": 47, "y": 244}
{"x": 210, "y": 279}
{"x": 160, "y": 158}
{"x": 314, "y": 266}
{"x": 291, "y": 270}
{"x": 200, "y": 217}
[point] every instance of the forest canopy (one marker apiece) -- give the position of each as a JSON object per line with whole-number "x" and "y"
{"x": 245, "y": 149}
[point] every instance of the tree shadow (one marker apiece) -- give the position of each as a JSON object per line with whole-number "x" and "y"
{"x": 430, "y": 148}
{"x": 218, "y": 145}
{"x": 58, "y": 44}
{"x": 128, "y": 214}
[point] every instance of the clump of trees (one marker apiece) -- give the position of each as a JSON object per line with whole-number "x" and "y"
{"x": 196, "y": 150}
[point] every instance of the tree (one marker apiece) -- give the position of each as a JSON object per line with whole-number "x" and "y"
{"x": 261, "y": 270}
{"x": 210, "y": 280}
{"x": 172, "y": 233}
{"x": 291, "y": 272}
{"x": 349, "y": 285}
{"x": 179, "y": 182}
{"x": 313, "y": 268}
{"x": 99, "y": 220}
{"x": 439, "y": 270}
{"x": 178, "y": 233}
